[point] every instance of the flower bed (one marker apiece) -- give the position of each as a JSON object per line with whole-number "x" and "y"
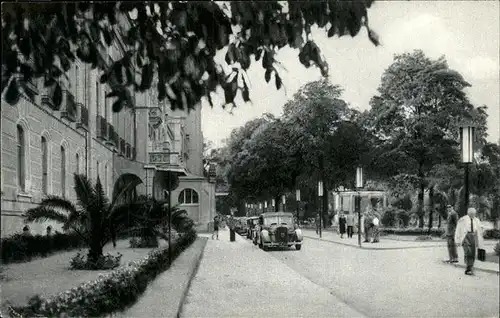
{"x": 111, "y": 292}
{"x": 21, "y": 248}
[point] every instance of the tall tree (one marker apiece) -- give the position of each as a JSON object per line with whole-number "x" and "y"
{"x": 172, "y": 42}
{"x": 326, "y": 136}
{"x": 416, "y": 115}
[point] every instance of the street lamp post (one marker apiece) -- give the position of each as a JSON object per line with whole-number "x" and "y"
{"x": 320, "y": 195}
{"x": 359, "y": 185}
{"x": 467, "y": 132}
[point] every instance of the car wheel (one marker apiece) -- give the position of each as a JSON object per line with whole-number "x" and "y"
{"x": 298, "y": 247}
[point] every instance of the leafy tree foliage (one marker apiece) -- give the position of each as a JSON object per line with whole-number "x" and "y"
{"x": 169, "y": 46}
{"x": 416, "y": 115}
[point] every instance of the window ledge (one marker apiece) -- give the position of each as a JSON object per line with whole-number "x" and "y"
{"x": 190, "y": 204}
{"x": 24, "y": 197}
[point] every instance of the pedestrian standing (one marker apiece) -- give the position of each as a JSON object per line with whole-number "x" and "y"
{"x": 375, "y": 229}
{"x": 342, "y": 225}
{"x": 470, "y": 235}
{"x": 216, "y": 228}
{"x": 350, "y": 224}
{"x": 367, "y": 225}
{"x": 451, "y": 226}
{"x": 317, "y": 221}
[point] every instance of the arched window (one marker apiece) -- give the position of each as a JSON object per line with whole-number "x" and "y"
{"x": 21, "y": 163}
{"x": 44, "y": 165}
{"x": 77, "y": 158}
{"x": 63, "y": 171}
{"x": 188, "y": 196}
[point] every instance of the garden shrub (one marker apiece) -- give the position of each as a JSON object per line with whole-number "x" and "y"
{"x": 22, "y": 248}
{"x": 389, "y": 217}
{"x": 424, "y": 238}
{"x": 111, "y": 292}
{"x": 497, "y": 249}
{"x": 404, "y": 217}
{"x": 107, "y": 261}
{"x": 413, "y": 231}
{"x": 492, "y": 234}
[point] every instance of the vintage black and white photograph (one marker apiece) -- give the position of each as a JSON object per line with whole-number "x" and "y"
{"x": 203, "y": 159}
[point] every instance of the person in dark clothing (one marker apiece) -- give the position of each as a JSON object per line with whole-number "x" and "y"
{"x": 342, "y": 225}
{"x": 216, "y": 228}
{"x": 318, "y": 223}
{"x": 451, "y": 226}
{"x": 350, "y": 220}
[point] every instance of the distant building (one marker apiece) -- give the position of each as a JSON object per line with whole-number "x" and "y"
{"x": 43, "y": 145}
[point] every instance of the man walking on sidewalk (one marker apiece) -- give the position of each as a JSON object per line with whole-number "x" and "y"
{"x": 451, "y": 226}
{"x": 350, "y": 224}
{"x": 470, "y": 235}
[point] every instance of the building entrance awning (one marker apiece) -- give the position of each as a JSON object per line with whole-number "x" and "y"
{"x": 178, "y": 170}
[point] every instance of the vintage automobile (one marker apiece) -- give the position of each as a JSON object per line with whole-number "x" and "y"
{"x": 278, "y": 229}
{"x": 252, "y": 223}
{"x": 241, "y": 226}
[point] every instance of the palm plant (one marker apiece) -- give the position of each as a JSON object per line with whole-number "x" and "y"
{"x": 152, "y": 213}
{"x": 94, "y": 218}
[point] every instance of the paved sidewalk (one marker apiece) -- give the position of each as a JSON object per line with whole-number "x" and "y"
{"x": 163, "y": 296}
{"x": 237, "y": 279}
{"x": 387, "y": 244}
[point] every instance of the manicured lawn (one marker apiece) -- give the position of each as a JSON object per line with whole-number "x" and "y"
{"x": 51, "y": 275}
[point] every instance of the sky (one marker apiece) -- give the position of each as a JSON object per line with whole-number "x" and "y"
{"x": 467, "y": 33}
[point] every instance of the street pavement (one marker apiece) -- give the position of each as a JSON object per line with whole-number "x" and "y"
{"x": 388, "y": 244}
{"x": 395, "y": 283}
{"x": 237, "y": 279}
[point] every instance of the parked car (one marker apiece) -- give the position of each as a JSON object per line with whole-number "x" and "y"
{"x": 278, "y": 229}
{"x": 252, "y": 223}
{"x": 241, "y": 226}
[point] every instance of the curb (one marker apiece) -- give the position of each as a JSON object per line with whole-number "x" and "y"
{"x": 191, "y": 277}
{"x": 372, "y": 248}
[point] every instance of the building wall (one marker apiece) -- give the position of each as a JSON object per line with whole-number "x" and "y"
{"x": 39, "y": 120}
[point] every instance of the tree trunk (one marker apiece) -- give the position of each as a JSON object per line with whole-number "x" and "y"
{"x": 326, "y": 219}
{"x": 277, "y": 203}
{"x": 421, "y": 205}
{"x": 431, "y": 204}
{"x": 439, "y": 221}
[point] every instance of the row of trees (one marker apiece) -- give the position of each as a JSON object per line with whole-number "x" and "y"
{"x": 408, "y": 142}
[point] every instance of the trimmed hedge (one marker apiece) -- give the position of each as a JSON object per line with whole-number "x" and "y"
{"x": 111, "y": 292}
{"x": 22, "y": 248}
{"x": 413, "y": 231}
{"x": 492, "y": 234}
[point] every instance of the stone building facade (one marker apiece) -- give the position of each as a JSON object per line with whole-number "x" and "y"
{"x": 43, "y": 145}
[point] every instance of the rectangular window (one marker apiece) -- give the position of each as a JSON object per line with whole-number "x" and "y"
{"x": 21, "y": 165}
{"x": 106, "y": 179}
{"x": 63, "y": 172}
{"x": 44, "y": 165}
{"x": 97, "y": 170}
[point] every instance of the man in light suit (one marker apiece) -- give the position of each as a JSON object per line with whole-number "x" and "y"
{"x": 469, "y": 234}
